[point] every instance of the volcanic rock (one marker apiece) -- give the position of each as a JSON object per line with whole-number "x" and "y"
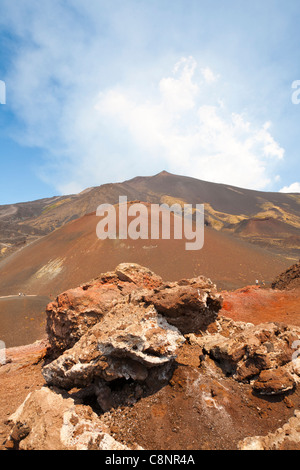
{"x": 244, "y": 355}
{"x": 190, "y": 305}
{"x": 285, "y": 438}
{"x": 48, "y": 421}
{"x": 138, "y": 349}
{"x": 138, "y": 275}
{"x": 289, "y": 279}
{"x": 129, "y": 342}
{"x": 274, "y": 382}
{"x": 125, "y": 325}
{"x": 75, "y": 311}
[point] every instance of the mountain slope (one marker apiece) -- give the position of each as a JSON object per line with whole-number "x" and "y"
{"x": 73, "y": 254}
{"x": 227, "y": 208}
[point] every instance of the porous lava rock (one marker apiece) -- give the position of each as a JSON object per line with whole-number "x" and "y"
{"x": 124, "y": 327}
{"x": 274, "y": 382}
{"x": 49, "y": 421}
{"x": 125, "y": 337}
{"x": 285, "y": 438}
{"x": 189, "y": 305}
{"x": 129, "y": 342}
{"x": 263, "y": 353}
{"x": 78, "y": 309}
{"x": 289, "y": 279}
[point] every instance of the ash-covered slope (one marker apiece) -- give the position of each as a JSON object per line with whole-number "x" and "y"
{"x": 226, "y": 208}
{"x": 72, "y": 254}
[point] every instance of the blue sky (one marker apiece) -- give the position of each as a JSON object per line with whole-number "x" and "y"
{"x": 103, "y": 91}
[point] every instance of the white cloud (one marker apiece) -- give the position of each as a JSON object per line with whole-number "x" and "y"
{"x": 178, "y": 93}
{"x": 209, "y": 75}
{"x": 93, "y": 133}
{"x": 293, "y": 188}
{"x": 201, "y": 140}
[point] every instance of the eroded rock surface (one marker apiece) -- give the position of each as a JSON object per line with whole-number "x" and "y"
{"x": 48, "y": 421}
{"x": 189, "y": 305}
{"x": 263, "y": 353}
{"x": 115, "y": 336}
{"x": 129, "y": 342}
{"x": 285, "y": 438}
{"x": 75, "y": 311}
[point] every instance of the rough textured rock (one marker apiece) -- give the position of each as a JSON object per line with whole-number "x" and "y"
{"x": 190, "y": 305}
{"x": 75, "y": 311}
{"x": 115, "y": 338}
{"x": 129, "y": 342}
{"x": 138, "y": 275}
{"x": 48, "y": 421}
{"x": 274, "y": 382}
{"x": 285, "y": 438}
{"x": 141, "y": 350}
{"x": 255, "y": 352}
{"x": 289, "y": 279}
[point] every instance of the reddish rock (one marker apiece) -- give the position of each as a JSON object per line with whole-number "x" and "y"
{"x": 245, "y": 353}
{"x": 129, "y": 342}
{"x": 138, "y": 275}
{"x": 190, "y": 305}
{"x": 77, "y": 310}
{"x": 289, "y": 279}
{"x": 274, "y": 382}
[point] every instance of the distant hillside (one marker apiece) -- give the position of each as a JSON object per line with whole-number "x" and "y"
{"x": 72, "y": 255}
{"x": 271, "y": 220}
{"x": 290, "y": 279}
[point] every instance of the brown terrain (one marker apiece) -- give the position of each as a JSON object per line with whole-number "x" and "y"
{"x": 22, "y": 319}
{"x": 50, "y": 245}
{"x": 248, "y": 214}
{"x": 137, "y": 360}
{"x": 113, "y": 374}
{"x": 73, "y": 254}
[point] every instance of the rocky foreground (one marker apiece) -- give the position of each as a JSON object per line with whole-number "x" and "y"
{"x": 134, "y": 362}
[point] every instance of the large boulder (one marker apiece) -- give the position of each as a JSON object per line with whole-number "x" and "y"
{"x": 127, "y": 324}
{"x": 130, "y": 341}
{"x": 190, "y": 305}
{"x": 75, "y": 311}
{"x": 274, "y": 382}
{"x": 115, "y": 339}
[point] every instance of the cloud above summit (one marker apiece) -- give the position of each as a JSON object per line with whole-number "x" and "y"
{"x": 187, "y": 126}
{"x": 95, "y": 122}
